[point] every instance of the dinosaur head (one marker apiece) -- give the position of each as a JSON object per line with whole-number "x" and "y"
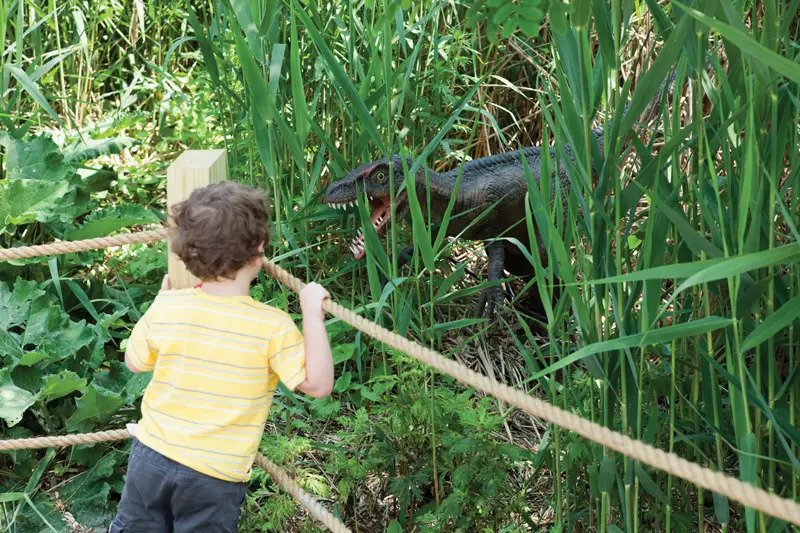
{"x": 371, "y": 180}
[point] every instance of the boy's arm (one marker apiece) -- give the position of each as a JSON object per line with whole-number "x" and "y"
{"x": 139, "y": 354}
{"x": 319, "y": 361}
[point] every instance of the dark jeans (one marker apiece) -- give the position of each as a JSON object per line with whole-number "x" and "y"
{"x": 162, "y": 496}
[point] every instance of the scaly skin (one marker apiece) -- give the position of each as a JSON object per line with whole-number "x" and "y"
{"x": 496, "y": 179}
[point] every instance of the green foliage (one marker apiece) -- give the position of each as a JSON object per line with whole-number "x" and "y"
{"x": 505, "y": 17}
{"x": 391, "y": 438}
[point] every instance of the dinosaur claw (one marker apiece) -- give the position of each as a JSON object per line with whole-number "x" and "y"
{"x": 491, "y": 299}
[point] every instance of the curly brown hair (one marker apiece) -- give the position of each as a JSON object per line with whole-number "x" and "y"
{"x": 218, "y": 229}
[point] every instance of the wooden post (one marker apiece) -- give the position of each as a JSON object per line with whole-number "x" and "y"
{"x": 193, "y": 169}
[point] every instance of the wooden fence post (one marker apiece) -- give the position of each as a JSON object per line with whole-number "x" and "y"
{"x": 193, "y": 169}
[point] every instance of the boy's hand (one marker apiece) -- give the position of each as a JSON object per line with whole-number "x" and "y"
{"x": 165, "y": 284}
{"x": 311, "y": 298}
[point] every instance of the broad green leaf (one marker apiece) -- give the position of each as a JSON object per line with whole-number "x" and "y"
{"x": 96, "y": 404}
{"x": 14, "y": 401}
{"x": 654, "y": 336}
{"x": 88, "y": 494}
{"x": 37, "y": 158}
{"x": 51, "y": 330}
{"x": 299, "y": 103}
{"x": 61, "y": 384}
{"x": 275, "y": 65}
{"x": 779, "y": 319}
{"x": 91, "y": 149}
{"x": 343, "y": 352}
{"x": 738, "y": 265}
{"x": 244, "y": 16}
{"x": 343, "y": 382}
{"x": 722, "y": 267}
{"x": 31, "y": 358}
{"x": 255, "y": 79}
{"x": 748, "y": 471}
{"x": 112, "y": 219}
{"x": 15, "y": 302}
{"x": 608, "y": 473}
{"x": 40, "y": 515}
{"x": 9, "y": 347}
{"x": 23, "y": 201}
{"x": 204, "y": 44}
{"x": 648, "y": 484}
{"x": 422, "y": 237}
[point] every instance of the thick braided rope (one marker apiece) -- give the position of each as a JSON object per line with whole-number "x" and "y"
{"x": 66, "y": 247}
{"x": 308, "y": 502}
{"x": 311, "y": 504}
{"x": 64, "y": 440}
{"x": 751, "y": 496}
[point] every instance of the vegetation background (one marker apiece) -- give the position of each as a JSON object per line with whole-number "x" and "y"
{"x": 676, "y": 318}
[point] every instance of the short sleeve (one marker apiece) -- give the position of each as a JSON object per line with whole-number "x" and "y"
{"x": 140, "y": 349}
{"x": 286, "y": 354}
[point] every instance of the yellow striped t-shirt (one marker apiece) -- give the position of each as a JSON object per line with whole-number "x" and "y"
{"x": 216, "y": 361}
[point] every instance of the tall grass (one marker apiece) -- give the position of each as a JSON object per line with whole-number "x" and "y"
{"x": 677, "y": 322}
{"x": 670, "y": 283}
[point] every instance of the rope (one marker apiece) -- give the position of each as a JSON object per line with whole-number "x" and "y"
{"x": 64, "y": 440}
{"x": 749, "y": 495}
{"x": 66, "y": 247}
{"x": 311, "y": 504}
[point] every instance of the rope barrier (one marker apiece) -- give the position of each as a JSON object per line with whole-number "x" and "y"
{"x": 66, "y": 247}
{"x": 749, "y": 495}
{"x": 311, "y": 504}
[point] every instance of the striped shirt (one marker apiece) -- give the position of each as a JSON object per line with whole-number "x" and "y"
{"x": 216, "y": 362}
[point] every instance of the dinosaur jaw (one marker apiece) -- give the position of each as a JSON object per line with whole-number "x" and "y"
{"x": 379, "y": 215}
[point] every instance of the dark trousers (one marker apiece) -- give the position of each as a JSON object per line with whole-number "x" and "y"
{"x": 163, "y": 496}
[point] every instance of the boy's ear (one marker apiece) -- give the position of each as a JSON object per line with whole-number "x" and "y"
{"x": 261, "y": 248}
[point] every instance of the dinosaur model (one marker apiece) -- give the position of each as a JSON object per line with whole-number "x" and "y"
{"x": 496, "y": 183}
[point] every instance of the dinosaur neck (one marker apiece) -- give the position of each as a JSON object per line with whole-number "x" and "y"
{"x": 441, "y": 190}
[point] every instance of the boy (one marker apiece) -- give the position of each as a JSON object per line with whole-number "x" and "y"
{"x": 216, "y": 356}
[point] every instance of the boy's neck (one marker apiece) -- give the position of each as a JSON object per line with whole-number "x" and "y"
{"x": 229, "y": 287}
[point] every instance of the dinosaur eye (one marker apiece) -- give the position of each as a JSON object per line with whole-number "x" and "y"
{"x": 380, "y": 176}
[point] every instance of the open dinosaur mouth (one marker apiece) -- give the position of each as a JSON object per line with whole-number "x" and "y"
{"x": 379, "y": 214}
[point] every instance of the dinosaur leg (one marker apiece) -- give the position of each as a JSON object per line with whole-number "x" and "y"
{"x": 493, "y": 296}
{"x": 405, "y": 255}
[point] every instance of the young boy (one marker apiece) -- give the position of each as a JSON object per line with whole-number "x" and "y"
{"x": 216, "y": 356}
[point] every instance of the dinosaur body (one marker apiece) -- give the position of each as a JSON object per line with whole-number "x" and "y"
{"x": 495, "y": 184}
{"x": 487, "y": 181}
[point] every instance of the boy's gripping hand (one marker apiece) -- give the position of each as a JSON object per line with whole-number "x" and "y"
{"x": 319, "y": 362}
{"x": 311, "y": 298}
